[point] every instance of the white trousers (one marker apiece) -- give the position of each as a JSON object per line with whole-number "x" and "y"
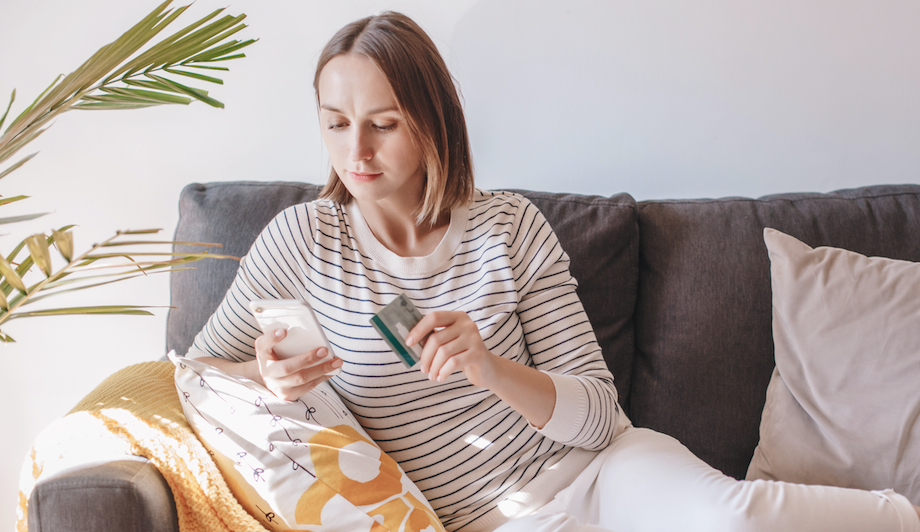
{"x": 648, "y": 481}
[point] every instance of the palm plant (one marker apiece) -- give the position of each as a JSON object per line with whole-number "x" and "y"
{"x": 121, "y": 75}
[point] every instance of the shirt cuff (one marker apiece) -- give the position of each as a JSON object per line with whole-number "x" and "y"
{"x": 569, "y": 411}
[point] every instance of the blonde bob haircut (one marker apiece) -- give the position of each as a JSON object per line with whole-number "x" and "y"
{"x": 428, "y": 99}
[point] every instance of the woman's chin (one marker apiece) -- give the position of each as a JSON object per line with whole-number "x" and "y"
{"x": 365, "y": 192}
{"x": 380, "y": 187}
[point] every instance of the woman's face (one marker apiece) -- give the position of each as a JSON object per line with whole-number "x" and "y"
{"x": 366, "y": 134}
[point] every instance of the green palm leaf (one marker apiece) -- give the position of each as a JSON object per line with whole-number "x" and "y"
{"x": 122, "y": 276}
{"x": 29, "y": 108}
{"x": 194, "y": 93}
{"x": 155, "y": 53}
{"x": 214, "y": 53}
{"x": 152, "y": 96}
{"x": 21, "y": 218}
{"x": 102, "y": 309}
{"x": 21, "y": 162}
{"x": 79, "y": 274}
{"x": 128, "y": 73}
{"x": 63, "y": 240}
{"x": 195, "y": 75}
{"x": 8, "y": 150}
{"x": 8, "y": 107}
{"x": 4, "y": 201}
{"x": 148, "y": 84}
{"x": 10, "y": 275}
{"x": 209, "y": 67}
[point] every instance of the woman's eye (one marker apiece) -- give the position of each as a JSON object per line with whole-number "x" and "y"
{"x": 337, "y": 126}
{"x": 388, "y": 127}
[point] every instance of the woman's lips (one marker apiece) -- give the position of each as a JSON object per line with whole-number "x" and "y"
{"x": 364, "y": 177}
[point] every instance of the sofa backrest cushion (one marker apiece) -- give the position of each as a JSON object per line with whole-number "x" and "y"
{"x": 704, "y": 347}
{"x": 599, "y": 234}
{"x": 601, "y": 237}
{"x": 231, "y": 214}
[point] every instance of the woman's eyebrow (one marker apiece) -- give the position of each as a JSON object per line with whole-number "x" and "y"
{"x": 391, "y": 109}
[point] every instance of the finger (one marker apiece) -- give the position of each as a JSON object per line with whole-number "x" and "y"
{"x": 316, "y": 372}
{"x": 326, "y": 366}
{"x": 291, "y": 385}
{"x": 285, "y": 369}
{"x": 429, "y": 323}
{"x": 267, "y": 341}
{"x": 444, "y": 354}
{"x": 433, "y": 344}
{"x": 333, "y": 366}
{"x": 451, "y": 366}
{"x": 311, "y": 357}
{"x": 294, "y": 366}
{"x": 296, "y": 392}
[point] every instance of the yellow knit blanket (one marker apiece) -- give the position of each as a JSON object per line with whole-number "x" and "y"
{"x": 136, "y": 411}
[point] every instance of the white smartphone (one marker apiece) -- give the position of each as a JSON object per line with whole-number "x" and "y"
{"x": 304, "y": 332}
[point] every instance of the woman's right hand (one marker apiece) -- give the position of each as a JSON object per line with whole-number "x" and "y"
{"x": 292, "y": 377}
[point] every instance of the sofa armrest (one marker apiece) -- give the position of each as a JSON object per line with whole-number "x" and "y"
{"x": 124, "y": 494}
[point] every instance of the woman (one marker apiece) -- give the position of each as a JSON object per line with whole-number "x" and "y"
{"x": 510, "y": 417}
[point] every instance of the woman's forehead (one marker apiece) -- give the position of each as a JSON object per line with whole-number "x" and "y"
{"x": 353, "y": 82}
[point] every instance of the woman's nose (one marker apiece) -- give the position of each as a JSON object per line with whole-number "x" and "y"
{"x": 361, "y": 149}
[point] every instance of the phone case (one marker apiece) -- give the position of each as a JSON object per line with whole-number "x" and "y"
{"x": 304, "y": 332}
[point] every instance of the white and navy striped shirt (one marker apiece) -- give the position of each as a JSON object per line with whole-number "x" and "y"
{"x": 478, "y": 461}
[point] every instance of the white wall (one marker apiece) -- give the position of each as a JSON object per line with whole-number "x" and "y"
{"x": 658, "y": 98}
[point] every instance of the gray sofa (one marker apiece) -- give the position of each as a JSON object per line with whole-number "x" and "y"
{"x": 678, "y": 293}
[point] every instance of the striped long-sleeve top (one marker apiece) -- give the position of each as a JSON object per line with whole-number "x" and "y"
{"x": 478, "y": 461}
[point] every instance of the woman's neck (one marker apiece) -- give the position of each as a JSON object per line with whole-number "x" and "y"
{"x": 397, "y": 230}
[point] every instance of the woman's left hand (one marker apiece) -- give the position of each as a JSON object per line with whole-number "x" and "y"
{"x": 453, "y": 345}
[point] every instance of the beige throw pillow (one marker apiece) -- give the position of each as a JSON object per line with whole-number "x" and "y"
{"x": 843, "y": 404}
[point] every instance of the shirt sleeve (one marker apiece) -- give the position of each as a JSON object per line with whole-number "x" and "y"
{"x": 560, "y": 339}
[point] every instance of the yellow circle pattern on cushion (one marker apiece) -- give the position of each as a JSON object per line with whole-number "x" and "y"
{"x": 326, "y": 450}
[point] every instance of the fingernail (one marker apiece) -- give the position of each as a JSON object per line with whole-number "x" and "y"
{"x": 322, "y": 352}
{"x": 337, "y": 363}
{"x": 410, "y": 341}
{"x": 279, "y": 333}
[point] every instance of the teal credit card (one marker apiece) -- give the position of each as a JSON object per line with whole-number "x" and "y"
{"x": 393, "y": 324}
